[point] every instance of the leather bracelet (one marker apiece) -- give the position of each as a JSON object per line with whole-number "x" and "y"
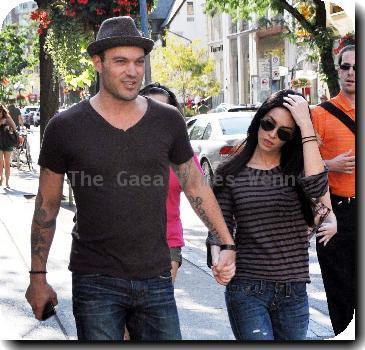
{"x": 308, "y": 137}
{"x": 228, "y": 247}
{"x": 309, "y": 141}
{"x": 37, "y": 272}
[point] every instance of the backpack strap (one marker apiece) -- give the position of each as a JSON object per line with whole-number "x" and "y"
{"x": 340, "y": 115}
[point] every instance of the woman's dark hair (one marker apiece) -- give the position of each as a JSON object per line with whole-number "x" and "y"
{"x": 158, "y": 89}
{"x": 2, "y": 111}
{"x": 291, "y": 161}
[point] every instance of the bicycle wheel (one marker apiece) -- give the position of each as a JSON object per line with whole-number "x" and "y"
{"x": 28, "y": 156}
{"x": 17, "y": 157}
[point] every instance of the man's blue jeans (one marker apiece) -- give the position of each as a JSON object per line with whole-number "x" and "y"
{"x": 264, "y": 310}
{"x": 103, "y": 305}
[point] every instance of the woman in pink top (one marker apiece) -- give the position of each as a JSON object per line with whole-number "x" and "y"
{"x": 174, "y": 230}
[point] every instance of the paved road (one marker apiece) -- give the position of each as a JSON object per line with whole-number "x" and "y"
{"x": 200, "y": 300}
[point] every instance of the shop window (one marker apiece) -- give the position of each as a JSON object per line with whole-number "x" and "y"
{"x": 243, "y": 25}
{"x": 216, "y": 27}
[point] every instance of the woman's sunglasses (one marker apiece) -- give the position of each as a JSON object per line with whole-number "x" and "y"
{"x": 283, "y": 134}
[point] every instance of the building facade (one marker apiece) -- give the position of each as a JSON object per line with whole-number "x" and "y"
{"x": 254, "y": 58}
{"x": 20, "y": 14}
{"x": 188, "y": 21}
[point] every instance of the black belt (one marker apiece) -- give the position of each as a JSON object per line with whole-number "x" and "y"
{"x": 340, "y": 199}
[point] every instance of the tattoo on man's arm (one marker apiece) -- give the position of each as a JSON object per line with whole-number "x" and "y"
{"x": 40, "y": 214}
{"x": 183, "y": 173}
{"x": 39, "y": 244}
{"x": 196, "y": 203}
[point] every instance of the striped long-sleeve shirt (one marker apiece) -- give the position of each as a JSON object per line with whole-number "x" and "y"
{"x": 271, "y": 232}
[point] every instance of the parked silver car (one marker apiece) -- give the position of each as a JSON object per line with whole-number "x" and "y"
{"x": 213, "y": 136}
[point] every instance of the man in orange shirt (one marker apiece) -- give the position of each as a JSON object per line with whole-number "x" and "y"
{"x": 337, "y": 145}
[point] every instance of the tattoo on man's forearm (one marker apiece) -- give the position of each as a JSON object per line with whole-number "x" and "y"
{"x": 196, "y": 203}
{"x": 39, "y": 243}
{"x": 183, "y": 173}
{"x": 40, "y": 214}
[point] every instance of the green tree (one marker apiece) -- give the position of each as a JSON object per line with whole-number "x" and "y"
{"x": 309, "y": 18}
{"x": 48, "y": 81}
{"x": 65, "y": 28}
{"x": 68, "y": 51}
{"x": 185, "y": 68}
{"x": 12, "y": 58}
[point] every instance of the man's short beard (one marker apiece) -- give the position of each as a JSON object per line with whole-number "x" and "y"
{"x": 121, "y": 97}
{"x": 115, "y": 93}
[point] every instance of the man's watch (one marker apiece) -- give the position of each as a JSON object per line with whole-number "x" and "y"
{"x": 228, "y": 247}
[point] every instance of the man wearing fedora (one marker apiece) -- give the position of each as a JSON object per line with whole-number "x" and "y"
{"x": 116, "y": 149}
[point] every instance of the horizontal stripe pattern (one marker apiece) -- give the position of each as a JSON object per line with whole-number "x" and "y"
{"x": 263, "y": 212}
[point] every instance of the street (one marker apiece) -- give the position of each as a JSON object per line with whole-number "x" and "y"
{"x": 199, "y": 298}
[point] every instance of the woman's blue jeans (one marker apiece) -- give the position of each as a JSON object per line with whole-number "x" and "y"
{"x": 264, "y": 310}
{"x": 103, "y": 305}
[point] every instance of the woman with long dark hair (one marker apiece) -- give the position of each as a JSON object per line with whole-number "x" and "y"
{"x": 6, "y": 125}
{"x": 268, "y": 192}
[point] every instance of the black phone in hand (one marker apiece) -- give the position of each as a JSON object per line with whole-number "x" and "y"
{"x": 48, "y": 311}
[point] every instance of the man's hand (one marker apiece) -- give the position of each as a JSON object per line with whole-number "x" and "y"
{"x": 343, "y": 163}
{"x": 327, "y": 230}
{"x": 225, "y": 268}
{"x": 38, "y": 294}
{"x": 215, "y": 250}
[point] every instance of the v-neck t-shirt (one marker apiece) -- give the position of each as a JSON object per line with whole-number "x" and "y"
{"x": 120, "y": 181}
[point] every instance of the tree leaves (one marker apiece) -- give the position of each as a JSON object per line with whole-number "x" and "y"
{"x": 186, "y": 68}
{"x": 12, "y": 59}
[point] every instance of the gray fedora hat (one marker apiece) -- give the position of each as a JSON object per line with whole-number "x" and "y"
{"x": 119, "y": 31}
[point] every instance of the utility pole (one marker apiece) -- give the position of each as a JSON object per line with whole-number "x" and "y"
{"x": 144, "y": 24}
{"x": 270, "y": 74}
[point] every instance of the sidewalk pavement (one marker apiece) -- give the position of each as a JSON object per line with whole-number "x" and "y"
{"x": 200, "y": 299}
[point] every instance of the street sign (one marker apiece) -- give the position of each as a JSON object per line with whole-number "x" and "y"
{"x": 265, "y": 84}
{"x": 276, "y": 73}
{"x": 275, "y": 61}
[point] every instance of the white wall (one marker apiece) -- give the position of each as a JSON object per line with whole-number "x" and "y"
{"x": 196, "y": 29}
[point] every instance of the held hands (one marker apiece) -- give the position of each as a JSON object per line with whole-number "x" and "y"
{"x": 37, "y": 295}
{"x": 298, "y": 107}
{"x": 224, "y": 264}
{"x": 343, "y": 163}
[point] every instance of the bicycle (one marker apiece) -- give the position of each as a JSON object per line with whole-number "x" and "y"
{"x": 22, "y": 153}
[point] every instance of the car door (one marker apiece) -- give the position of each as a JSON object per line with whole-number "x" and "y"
{"x": 196, "y": 135}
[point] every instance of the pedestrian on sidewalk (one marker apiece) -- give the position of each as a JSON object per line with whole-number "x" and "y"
{"x": 16, "y": 115}
{"x": 203, "y": 107}
{"x": 174, "y": 229}
{"x": 7, "y": 125}
{"x": 116, "y": 149}
{"x": 266, "y": 192}
{"x": 334, "y": 121}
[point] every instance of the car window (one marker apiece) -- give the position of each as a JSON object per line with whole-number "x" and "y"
{"x": 207, "y": 132}
{"x": 198, "y": 130}
{"x": 190, "y": 124}
{"x": 231, "y": 126}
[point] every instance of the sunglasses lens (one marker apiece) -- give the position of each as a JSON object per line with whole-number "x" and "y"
{"x": 267, "y": 125}
{"x": 284, "y": 135}
{"x": 346, "y": 66}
